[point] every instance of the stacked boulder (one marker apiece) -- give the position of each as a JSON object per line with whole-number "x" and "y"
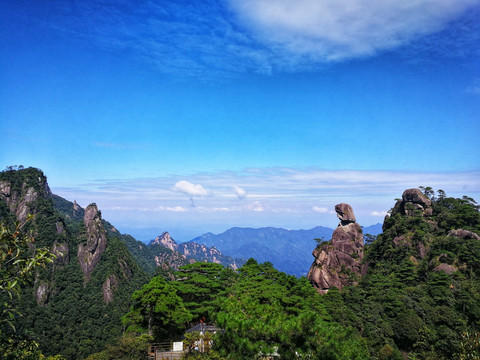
{"x": 413, "y": 203}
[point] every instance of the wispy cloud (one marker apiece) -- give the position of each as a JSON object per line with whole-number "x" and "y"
{"x": 288, "y": 196}
{"x": 224, "y": 38}
{"x": 338, "y": 29}
{"x": 241, "y": 193}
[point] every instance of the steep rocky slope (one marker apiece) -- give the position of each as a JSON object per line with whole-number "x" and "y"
{"x": 89, "y": 285}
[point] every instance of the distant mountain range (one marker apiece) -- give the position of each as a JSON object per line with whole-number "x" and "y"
{"x": 197, "y": 252}
{"x": 288, "y": 250}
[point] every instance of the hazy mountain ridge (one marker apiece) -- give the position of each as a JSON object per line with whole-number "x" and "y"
{"x": 198, "y": 252}
{"x": 288, "y": 250}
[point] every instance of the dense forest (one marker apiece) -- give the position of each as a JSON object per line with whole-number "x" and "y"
{"x": 418, "y": 299}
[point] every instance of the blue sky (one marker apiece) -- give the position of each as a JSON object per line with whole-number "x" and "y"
{"x": 191, "y": 117}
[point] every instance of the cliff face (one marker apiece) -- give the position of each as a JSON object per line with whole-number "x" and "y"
{"x": 339, "y": 260}
{"x": 21, "y": 192}
{"x": 89, "y": 254}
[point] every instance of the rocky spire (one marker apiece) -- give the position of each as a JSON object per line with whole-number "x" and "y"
{"x": 89, "y": 254}
{"x": 338, "y": 261}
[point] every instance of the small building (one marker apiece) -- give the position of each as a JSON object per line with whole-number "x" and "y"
{"x": 170, "y": 350}
{"x": 200, "y": 340}
{"x": 202, "y": 328}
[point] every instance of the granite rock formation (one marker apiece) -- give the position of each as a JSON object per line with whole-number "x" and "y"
{"x": 166, "y": 240}
{"x": 109, "y": 287}
{"x": 463, "y": 234}
{"x": 413, "y": 203}
{"x": 21, "y": 200}
{"x": 339, "y": 261}
{"x": 89, "y": 254}
{"x": 192, "y": 251}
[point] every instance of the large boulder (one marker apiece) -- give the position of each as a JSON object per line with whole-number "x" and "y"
{"x": 413, "y": 203}
{"x": 345, "y": 213}
{"x": 464, "y": 234}
{"x": 339, "y": 261}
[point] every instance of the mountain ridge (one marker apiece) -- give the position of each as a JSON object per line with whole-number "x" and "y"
{"x": 196, "y": 251}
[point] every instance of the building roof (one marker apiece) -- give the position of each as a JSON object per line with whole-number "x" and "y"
{"x": 201, "y": 327}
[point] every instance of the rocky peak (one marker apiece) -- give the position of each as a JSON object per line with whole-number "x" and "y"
{"x": 413, "y": 203}
{"x": 165, "y": 240}
{"x": 338, "y": 261}
{"x": 89, "y": 254}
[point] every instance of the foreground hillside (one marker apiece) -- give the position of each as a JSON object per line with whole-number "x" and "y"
{"x": 75, "y": 304}
{"x": 421, "y": 293}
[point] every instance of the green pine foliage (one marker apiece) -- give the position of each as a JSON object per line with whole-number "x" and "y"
{"x": 157, "y": 310}
{"x": 265, "y": 311}
{"x": 200, "y": 285}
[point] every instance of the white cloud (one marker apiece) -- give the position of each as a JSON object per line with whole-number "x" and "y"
{"x": 190, "y": 189}
{"x": 285, "y": 197}
{"x": 176, "y": 209}
{"x": 256, "y": 206}
{"x": 337, "y": 29}
{"x": 241, "y": 193}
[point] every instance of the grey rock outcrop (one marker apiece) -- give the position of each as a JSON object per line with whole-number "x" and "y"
{"x": 61, "y": 252}
{"x": 42, "y": 293}
{"x": 464, "y": 234}
{"x": 413, "y": 203}
{"x": 20, "y": 201}
{"x": 109, "y": 287}
{"x": 446, "y": 268}
{"x": 338, "y": 261}
{"x": 89, "y": 254}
